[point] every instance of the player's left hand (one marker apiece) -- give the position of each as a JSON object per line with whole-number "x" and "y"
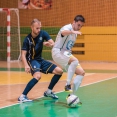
{"x": 47, "y": 44}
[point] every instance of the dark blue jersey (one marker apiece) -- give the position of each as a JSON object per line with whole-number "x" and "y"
{"x": 34, "y": 46}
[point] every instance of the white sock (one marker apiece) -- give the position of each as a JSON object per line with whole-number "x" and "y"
{"x": 22, "y": 95}
{"x": 71, "y": 71}
{"x": 49, "y": 91}
{"x": 77, "y": 82}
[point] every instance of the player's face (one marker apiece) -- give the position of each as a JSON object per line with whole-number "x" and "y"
{"x": 78, "y": 25}
{"x": 36, "y": 27}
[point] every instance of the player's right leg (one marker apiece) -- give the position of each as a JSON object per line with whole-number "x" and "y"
{"x": 35, "y": 70}
{"x": 73, "y": 62}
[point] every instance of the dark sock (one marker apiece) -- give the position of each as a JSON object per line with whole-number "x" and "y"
{"x": 54, "y": 80}
{"x": 29, "y": 86}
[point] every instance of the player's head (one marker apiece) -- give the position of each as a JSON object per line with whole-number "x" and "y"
{"x": 79, "y": 21}
{"x": 36, "y": 27}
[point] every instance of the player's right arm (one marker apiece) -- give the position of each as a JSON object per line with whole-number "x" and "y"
{"x": 68, "y": 32}
{"x": 27, "y": 67}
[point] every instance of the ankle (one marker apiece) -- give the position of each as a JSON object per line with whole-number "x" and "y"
{"x": 22, "y": 95}
{"x": 49, "y": 91}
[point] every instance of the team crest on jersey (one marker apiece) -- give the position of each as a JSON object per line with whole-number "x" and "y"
{"x": 40, "y": 38}
{"x": 34, "y": 67}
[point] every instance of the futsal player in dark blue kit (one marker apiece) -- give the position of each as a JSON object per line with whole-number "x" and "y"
{"x": 34, "y": 63}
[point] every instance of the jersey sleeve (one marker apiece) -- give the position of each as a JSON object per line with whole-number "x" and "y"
{"x": 65, "y": 28}
{"x": 25, "y": 45}
{"x": 46, "y": 36}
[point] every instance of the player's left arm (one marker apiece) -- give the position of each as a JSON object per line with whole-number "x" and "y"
{"x": 49, "y": 43}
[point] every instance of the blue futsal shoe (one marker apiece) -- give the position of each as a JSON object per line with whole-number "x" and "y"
{"x": 52, "y": 95}
{"x": 23, "y": 98}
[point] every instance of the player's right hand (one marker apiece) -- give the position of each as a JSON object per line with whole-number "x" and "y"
{"x": 27, "y": 69}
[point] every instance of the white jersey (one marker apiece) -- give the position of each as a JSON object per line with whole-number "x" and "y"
{"x": 65, "y": 43}
{"x": 61, "y": 52}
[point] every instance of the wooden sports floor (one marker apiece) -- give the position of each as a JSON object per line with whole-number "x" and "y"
{"x": 98, "y": 93}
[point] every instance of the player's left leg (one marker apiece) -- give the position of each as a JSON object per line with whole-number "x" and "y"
{"x": 77, "y": 80}
{"x": 48, "y": 67}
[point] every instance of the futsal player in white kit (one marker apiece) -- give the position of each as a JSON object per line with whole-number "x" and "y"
{"x": 62, "y": 55}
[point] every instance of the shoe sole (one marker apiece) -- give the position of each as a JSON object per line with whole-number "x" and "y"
{"x": 51, "y": 97}
{"x": 68, "y": 91}
{"x": 25, "y": 101}
{"x": 80, "y": 104}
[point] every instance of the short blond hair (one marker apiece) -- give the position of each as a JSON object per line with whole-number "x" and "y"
{"x": 35, "y": 20}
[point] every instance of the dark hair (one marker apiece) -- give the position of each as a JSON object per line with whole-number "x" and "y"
{"x": 79, "y": 18}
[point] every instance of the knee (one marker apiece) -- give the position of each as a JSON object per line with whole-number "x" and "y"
{"x": 37, "y": 76}
{"x": 83, "y": 73}
{"x": 80, "y": 72}
{"x": 75, "y": 63}
{"x": 58, "y": 71}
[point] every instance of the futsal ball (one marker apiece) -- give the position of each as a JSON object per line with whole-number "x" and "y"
{"x": 73, "y": 101}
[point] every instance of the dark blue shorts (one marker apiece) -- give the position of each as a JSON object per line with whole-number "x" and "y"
{"x": 41, "y": 66}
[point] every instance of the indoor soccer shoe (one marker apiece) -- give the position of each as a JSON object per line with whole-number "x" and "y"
{"x": 67, "y": 96}
{"x": 68, "y": 88}
{"x": 52, "y": 95}
{"x": 80, "y": 104}
{"x": 23, "y": 99}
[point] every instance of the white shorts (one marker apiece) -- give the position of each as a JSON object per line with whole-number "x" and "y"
{"x": 61, "y": 58}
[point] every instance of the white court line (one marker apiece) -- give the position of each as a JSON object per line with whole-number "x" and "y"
{"x": 98, "y": 81}
{"x": 63, "y": 91}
